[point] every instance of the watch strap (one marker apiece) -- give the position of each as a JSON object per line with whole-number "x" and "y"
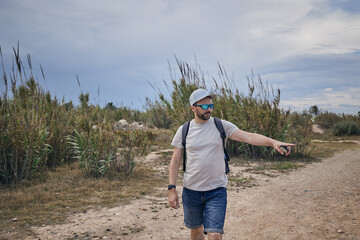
{"x": 171, "y": 186}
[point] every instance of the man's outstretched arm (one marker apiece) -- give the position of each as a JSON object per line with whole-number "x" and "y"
{"x": 259, "y": 140}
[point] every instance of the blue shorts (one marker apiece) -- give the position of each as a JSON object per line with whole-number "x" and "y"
{"x": 205, "y": 208}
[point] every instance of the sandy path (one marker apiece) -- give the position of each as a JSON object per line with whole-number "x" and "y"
{"x": 320, "y": 201}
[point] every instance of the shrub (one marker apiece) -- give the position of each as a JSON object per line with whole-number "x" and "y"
{"x": 134, "y": 146}
{"x": 156, "y": 114}
{"x": 178, "y": 108}
{"x": 94, "y": 149}
{"x": 38, "y": 131}
{"x": 346, "y": 128}
{"x": 300, "y": 126}
{"x": 257, "y": 112}
{"x": 98, "y": 148}
{"x": 33, "y": 126}
{"x": 327, "y": 120}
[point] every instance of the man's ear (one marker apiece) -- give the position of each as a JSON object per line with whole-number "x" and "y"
{"x": 193, "y": 108}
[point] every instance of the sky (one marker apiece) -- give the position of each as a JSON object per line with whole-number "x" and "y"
{"x": 309, "y": 49}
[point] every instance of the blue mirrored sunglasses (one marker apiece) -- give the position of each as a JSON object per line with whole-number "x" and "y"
{"x": 205, "y": 106}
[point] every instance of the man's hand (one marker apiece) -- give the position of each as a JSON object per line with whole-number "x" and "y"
{"x": 278, "y": 144}
{"x": 173, "y": 199}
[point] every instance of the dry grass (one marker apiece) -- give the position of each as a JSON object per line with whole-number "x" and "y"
{"x": 326, "y": 145}
{"x": 329, "y": 148}
{"x": 61, "y": 192}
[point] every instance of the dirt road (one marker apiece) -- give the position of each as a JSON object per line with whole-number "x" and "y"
{"x": 319, "y": 201}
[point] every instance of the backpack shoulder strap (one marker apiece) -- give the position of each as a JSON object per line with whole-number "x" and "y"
{"x": 220, "y": 127}
{"x": 185, "y": 131}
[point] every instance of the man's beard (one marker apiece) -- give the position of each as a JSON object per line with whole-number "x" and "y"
{"x": 202, "y": 116}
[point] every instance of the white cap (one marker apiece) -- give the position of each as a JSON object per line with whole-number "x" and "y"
{"x": 199, "y": 94}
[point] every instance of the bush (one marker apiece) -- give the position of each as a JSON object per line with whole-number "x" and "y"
{"x": 178, "y": 108}
{"x": 134, "y": 146}
{"x": 300, "y": 126}
{"x": 38, "y": 131}
{"x": 94, "y": 149}
{"x": 33, "y": 126}
{"x": 98, "y": 148}
{"x": 156, "y": 114}
{"x": 257, "y": 112}
{"x": 346, "y": 128}
{"x": 327, "y": 120}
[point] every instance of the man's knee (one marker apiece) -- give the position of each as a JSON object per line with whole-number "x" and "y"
{"x": 214, "y": 236}
{"x": 197, "y": 233}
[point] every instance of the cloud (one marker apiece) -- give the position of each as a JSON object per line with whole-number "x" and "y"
{"x": 349, "y": 106}
{"x": 300, "y": 46}
{"x": 304, "y": 76}
{"x": 349, "y": 6}
{"x": 345, "y": 100}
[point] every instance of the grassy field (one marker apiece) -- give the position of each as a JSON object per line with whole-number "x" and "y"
{"x": 56, "y": 194}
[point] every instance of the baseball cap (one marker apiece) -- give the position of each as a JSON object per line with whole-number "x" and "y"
{"x": 199, "y": 94}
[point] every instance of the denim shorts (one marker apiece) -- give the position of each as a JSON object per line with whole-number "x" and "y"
{"x": 205, "y": 208}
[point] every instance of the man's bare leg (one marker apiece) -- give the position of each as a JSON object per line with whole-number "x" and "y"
{"x": 214, "y": 236}
{"x": 197, "y": 233}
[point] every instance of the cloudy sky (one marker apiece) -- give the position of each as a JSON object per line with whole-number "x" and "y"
{"x": 309, "y": 49}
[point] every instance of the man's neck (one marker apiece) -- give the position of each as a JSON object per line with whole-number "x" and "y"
{"x": 200, "y": 121}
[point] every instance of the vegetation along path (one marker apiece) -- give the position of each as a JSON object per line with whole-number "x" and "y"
{"x": 319, "y": 201}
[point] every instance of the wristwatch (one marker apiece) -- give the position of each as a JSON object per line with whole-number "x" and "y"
{"x": 171, "y": 186}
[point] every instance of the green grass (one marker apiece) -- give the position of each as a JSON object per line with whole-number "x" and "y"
{"x": 240, "y": 182}
{"x": 276, "y": 166}
{"x": 284, "y": 166}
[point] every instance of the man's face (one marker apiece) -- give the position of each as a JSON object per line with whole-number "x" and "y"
{"x": 203, "y": 114}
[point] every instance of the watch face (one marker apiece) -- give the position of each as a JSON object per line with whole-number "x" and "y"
{"x": 171, "y": 186}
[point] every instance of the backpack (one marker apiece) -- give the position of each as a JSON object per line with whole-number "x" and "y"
{"x": 220, "y": 127}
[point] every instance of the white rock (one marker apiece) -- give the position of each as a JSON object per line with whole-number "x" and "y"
{"x": 121, "y": 125}
{"x": 134, "y": 125}
{"x": 123, "y": 122}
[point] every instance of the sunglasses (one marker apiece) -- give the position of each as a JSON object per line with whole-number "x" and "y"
{"x": 205, "y": 106}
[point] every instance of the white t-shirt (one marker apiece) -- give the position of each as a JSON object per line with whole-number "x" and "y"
{"x": 205, "y": 165}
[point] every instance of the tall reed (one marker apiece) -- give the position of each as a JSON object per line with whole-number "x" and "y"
{"x": 38, "y": 131}
{"x": 28, "y": 117}
{"x": 258, "y": 111}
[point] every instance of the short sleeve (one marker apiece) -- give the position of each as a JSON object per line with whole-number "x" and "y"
{"x": 229, "y": 128}
{"x": 177, "y": 140}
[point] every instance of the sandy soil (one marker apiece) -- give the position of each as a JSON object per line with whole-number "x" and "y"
{"x": 319, "y": 201}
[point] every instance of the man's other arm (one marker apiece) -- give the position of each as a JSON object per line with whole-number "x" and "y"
{"x": 259, "y": 140}
{"x": 173, "y": 173}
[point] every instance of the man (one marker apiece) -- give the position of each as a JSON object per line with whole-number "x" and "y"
{"x": 204, "y": 184}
